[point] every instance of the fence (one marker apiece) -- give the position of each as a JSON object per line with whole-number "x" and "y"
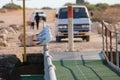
{"x": 111, "y": 46}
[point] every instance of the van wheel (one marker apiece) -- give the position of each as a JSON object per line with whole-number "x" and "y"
{"x": 87, "y": 38}
{"x": 58, "y": 39}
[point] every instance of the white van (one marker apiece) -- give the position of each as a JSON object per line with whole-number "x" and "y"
{"x": 81, "y": 23}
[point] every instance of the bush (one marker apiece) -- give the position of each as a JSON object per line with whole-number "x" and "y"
{"x": 101, "y": 6}
{"x": 91, "y": 7}
{"x": 100, "y": 19}
{"x": 66, "y": 4}
{"x": 11, "y": 6}
{"x": 115, "y": 6}
{"x": 47, "y": 8}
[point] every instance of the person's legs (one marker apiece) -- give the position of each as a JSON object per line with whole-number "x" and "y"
{"x": 37, "y": 24}
{"x": 32, "y": 25}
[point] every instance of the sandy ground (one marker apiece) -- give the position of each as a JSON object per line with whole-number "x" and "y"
{"x": 15, "y": 17}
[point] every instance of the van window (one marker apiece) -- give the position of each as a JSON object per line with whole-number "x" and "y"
{"x": 63, "y": 13}
{"x": 77, "y": 13}
{"x": 80, "y": 13}
{"x": 40, "y": 12}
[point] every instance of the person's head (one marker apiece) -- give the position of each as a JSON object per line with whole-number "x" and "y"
{"x": 36, "y": 13}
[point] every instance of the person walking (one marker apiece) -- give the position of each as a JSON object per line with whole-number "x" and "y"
{"x": 37, "y": 19}
{"x": 32, "y": 17}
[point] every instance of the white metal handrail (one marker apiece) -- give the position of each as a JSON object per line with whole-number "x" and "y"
{"x": 49, "y": 68}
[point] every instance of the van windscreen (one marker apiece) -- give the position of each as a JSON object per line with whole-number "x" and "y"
{"x": 77, "y": 13}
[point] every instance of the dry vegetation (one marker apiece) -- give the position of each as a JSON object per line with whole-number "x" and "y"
{"x": 111, "y": 15}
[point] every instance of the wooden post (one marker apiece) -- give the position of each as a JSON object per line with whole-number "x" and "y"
{"x": 70, "y": 28}
{"x": 24, "y": 31}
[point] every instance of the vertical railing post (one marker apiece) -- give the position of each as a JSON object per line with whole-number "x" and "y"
{"x": 106, "y": 34}
{"x": 111, "y": 53}
{"x": 117, "y": 53}
{"x": 103, "y": 37}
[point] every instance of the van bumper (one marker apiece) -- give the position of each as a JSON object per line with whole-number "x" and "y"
{"x": 76, "y": 34}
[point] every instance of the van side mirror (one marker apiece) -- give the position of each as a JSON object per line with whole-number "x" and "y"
{"x": 56, "y": 15}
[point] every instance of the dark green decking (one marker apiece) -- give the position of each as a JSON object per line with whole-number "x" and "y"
{"x": 83, "y": 70}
